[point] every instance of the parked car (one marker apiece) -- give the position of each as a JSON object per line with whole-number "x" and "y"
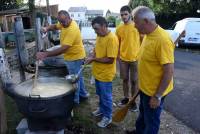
{"x": 192, "y": 31}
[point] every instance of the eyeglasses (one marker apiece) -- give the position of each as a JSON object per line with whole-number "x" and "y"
{"x": 124, "y": 14}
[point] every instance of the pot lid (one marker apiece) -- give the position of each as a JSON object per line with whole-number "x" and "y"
{"x": 45, "y": 87}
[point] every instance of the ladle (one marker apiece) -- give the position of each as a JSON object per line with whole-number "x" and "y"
{"x": 73, "y": 78}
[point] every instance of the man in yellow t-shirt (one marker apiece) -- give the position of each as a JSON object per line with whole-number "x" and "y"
{"x": 155, "y": 70}
{"x": 104, "y": 68}
{"x": 71, "y": 47}
{"x": 129, "y": 42}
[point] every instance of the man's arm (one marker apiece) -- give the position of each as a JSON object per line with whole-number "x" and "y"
{"x": 106, "y": 60}
{"x": 49, "y": 28}
{"x": 179, "y": 37}
{"x": 43, "y": 55}
{"x": 119, "y": 40}
{"x": 168, "y": 71}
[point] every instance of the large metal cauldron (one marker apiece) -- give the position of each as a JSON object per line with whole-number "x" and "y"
{"x": 44, "y": 111}
{"x": 53, "y": 66}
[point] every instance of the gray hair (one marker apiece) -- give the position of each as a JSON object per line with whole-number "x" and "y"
{"x": 143, "y": 12}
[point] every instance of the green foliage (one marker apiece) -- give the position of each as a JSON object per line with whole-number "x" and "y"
{"x": 111, "y": 21}
{"x": 31, "y": 4}
{"x": 8, "y": 4}
{"x": 168, "y": 6}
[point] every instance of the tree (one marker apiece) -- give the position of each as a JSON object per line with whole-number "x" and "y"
{"x": 168, "y": 6}
{"x": 10, "y": 4}
{"x": 111, "y": 21}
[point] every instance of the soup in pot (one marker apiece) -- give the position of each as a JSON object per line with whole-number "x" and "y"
{"x": 45, "y": 87}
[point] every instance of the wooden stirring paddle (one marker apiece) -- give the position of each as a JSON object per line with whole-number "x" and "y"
{"x": 36, "y": 74}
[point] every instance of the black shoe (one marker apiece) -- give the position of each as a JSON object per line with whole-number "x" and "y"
{"x": 133, "y": 108}
{"x": 123, "y": 102}
{"x": 84, "y": 98}
{"x": 131, "y": 131}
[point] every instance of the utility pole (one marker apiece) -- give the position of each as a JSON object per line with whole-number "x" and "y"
{"x": 49, "y": 22}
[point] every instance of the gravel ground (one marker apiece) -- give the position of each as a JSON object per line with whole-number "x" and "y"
{"x": 169, "y": 124}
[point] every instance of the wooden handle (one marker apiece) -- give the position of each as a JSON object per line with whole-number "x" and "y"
{"x": 36, "y": 74}
{"x": 133, "y": 99}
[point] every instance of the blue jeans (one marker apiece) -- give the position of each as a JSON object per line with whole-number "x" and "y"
{"x": 104, "y": 91}
{"x": 148, "y": 121}
{"x": 73, "y": 68}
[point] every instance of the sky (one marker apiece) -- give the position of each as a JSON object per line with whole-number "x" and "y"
{"x": 112, "y": 5}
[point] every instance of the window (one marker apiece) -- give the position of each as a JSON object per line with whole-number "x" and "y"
{"x": 79, "y": 15}
{"x": 72, "y": 15}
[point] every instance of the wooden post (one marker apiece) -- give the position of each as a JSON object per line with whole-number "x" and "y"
{"x": 20, "y": 44}
{"x": 48, "y": 8}
{"x": 39, "y": 41}
{"x": 2, "y": 43}
{"x": 3, "y": 121}
{"x": 5, "y": 24}
{"x": 50, "y": 34}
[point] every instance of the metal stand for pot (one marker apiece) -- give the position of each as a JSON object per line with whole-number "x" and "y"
{"x": 22, "y": 128}
{"x": 46, "y": 132}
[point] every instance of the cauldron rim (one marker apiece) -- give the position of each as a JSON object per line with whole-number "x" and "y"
{"x": 11, "y": 92}
{"x": 15, "y": 95}
{"x": 51, "y": 67}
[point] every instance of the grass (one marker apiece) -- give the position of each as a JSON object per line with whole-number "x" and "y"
{"x": 13, "y": 116}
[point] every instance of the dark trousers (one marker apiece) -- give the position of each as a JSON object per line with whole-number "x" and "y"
{"x": 148, "y": 121}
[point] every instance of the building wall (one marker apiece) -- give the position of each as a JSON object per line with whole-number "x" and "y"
{"x": 78, "y": 16}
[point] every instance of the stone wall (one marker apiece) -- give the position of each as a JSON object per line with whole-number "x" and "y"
{"x": 13, "y": 59}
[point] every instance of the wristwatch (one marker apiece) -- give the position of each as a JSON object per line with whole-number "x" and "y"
{"x": 158, "y": 97}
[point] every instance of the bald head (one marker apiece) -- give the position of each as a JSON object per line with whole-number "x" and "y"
{"x": 143, "y": 12}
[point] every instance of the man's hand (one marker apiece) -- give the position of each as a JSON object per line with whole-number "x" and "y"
{"x": 44, "y": 30}
{"x": 41, "y": 55}
{"x": 89, "y": 60}
{"x": 154, "y": 102}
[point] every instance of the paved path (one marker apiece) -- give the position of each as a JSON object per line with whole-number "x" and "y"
{"x": 184, "y": 101}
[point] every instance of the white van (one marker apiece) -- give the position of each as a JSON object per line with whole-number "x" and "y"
{"x": 192, "y": 28}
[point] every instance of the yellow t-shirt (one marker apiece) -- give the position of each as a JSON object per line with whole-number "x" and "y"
{"x": 71, "y": 36}
{"x": 106, "y": 46}
{"x": 156, "y": 50}
{"x": 129, "y": 40}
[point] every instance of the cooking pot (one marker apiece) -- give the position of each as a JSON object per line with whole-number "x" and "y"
{"x": 44, "y": 105}
{"x": 53, "y": 66}
{"x": 52, "y": 71}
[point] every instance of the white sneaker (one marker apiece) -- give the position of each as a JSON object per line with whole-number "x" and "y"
{"x": 97, "y": 112}
{"x": 104, "y": 122}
